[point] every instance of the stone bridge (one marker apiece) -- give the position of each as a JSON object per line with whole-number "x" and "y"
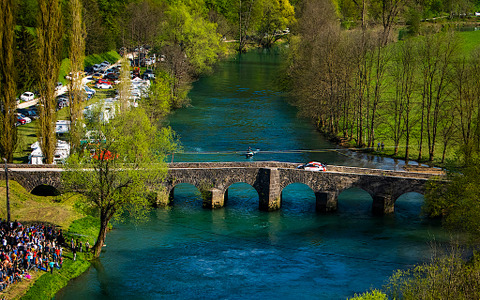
{"x": 267, "y": 178}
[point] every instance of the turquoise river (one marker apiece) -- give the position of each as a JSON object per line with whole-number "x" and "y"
{"x": 239, "y": 252}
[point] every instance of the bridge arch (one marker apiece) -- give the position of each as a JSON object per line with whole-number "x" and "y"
{"x": 240, "y": 194}
{"x": 190, "y": 191}
{"x": 407, "y": 189}
{"x": 410, "y": 204}
{"x": 45, "y": 190}
{"x": 300, "y": 195}
{"x": 358, "y": 187}
{"x": 355, "y": 199}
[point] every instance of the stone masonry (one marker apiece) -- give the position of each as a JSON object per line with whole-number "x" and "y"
{"x": 267, "y": 178}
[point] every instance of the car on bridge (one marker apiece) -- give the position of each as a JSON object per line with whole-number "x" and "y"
{"x": 313, "y": 166}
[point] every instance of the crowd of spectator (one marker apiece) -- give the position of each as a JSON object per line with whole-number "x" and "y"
{"x": 28, "y": 247}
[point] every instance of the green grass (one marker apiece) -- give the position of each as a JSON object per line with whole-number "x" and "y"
{"x": 48, "y": 284}
{"x": 470, "y": 41}
{"x": 111, "y": 56}
{"x": 64, "y": 70}
{"x": 27, "y": 135}
{"x": 85, "y": 229}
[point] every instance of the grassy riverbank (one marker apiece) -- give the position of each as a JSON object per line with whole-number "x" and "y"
{"x": 61, "y": 211}
{"x": 449, "y": 138}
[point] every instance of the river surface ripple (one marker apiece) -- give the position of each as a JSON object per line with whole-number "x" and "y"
{"x": 238, "y": 252}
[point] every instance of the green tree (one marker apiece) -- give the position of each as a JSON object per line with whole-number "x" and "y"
{"x": 445, "y": 277}
{"x": 191, "y": 46}
{"x": 457, "y": 201}
{"x": 276, "y": 16}
{"x": 25, "y": 57}
{"x": 124, "y": 86}
{"x": 8, "y": 132}
{"x": 124, "y": 167}
{"x": 158, "y": 101}
{"x": 95, "y": 41}
{"x": 75, "y": 89}
{"x": 198, "y": 39}
{"x": 49, "y": 39}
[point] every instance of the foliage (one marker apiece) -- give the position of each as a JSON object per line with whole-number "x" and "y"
{"x": 159, "y": 100}
{"x": 8, "y": 132}
{"x": 190, "y": 45}
{"x": 447, "y": 277}
{"x": 48, "y": 63}
{"x": 457, "y": 201}
{"x": 372, "y": 295}
{"x": 25, "y": 58}
{"x": 275, "y": 17}
{"x": 76, "y": 92}
{"x": 125, "y": 166}
{"x": 197, "y": 37}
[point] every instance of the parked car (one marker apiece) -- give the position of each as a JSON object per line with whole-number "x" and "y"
{"x": 63, "y": 99}
{"x": 23, "y": 119}
{"x": 103, "y": 86}
{"x": 313, "y": 166}
{"x": 105, "y": 64}
{"x": 58, "y": 86}
{"x": 29, "y": 112}
{"x": 111, "y": 76}
{"x": 20, "y": 121}
{"x": 90, "y": 92}
{"x": 104, "y": 81}
{"x": 27, "y": 96}
{"x": 148, "y": 74}
{"x": 88, "y": 70}
{"x": 97, "y": 76}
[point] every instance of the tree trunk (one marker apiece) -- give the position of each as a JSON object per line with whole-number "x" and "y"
{"x": 421, "y": 132}
{"x": 97, "y": 248}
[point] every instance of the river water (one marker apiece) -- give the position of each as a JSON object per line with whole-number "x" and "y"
{"x": 238, "y": 252}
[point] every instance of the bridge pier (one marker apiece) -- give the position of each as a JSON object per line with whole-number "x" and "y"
{"x": 213, "y": 198}
{"x": 326, "y": 201}
{"x": 270, "y": 193}
{"x": 383, "y": 204}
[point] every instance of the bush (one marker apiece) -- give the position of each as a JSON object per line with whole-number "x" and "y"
{"x": 373, "y": 295}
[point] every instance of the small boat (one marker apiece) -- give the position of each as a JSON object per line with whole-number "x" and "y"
{"x": 249, "y": 154}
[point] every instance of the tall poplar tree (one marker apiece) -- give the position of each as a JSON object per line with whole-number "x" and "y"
{"x": 124, "y": 86}
{"x": 8, "y": 132}
{"x": 49, "y": 35}
{"x": 77, "y": 54}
